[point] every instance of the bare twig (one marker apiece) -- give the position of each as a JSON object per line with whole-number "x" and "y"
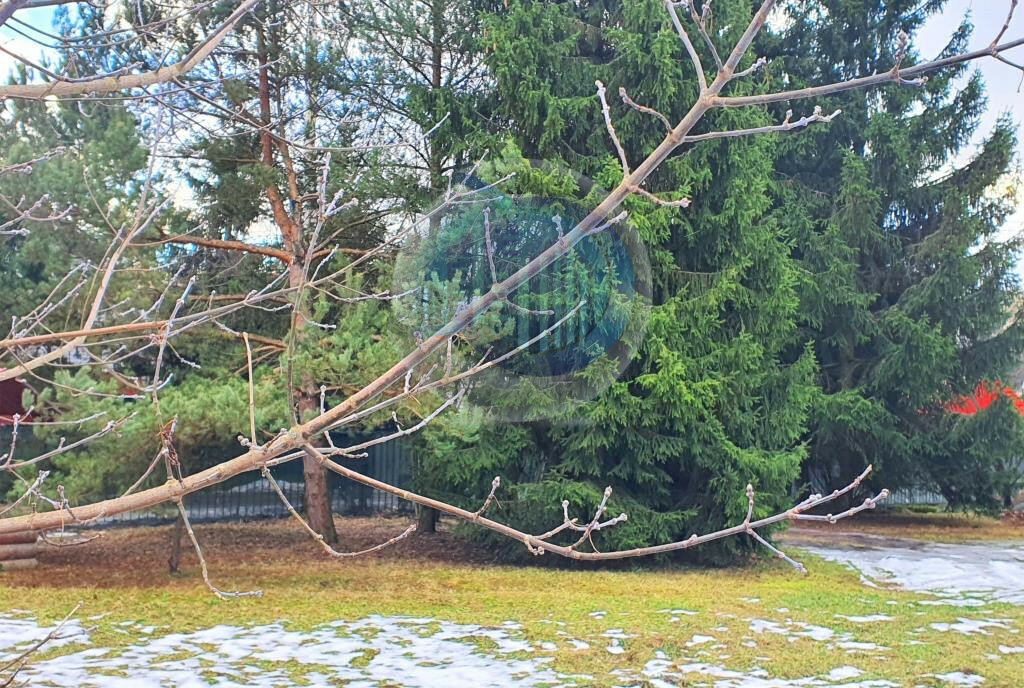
{"x": 221, "y": 594}
{"x": 644, "y": 109}
{"x": 787, "y": 125}
{"x": 702, "y": 20}
{"x": 606, "y": 111}
{"x": 110, "y": 83}
{"x": 252, "y": 393}
{"x": 670, "y": 5}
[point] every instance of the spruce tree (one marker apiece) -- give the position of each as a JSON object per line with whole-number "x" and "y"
{"x": 714, "y": 397}
{"x": 419, "y": 69}
{"x": 910, "y": 298}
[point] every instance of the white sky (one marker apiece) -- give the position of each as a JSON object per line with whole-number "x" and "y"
{"x": 1002, "y": 82}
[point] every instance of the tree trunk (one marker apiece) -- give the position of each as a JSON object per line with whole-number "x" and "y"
{"x": 426, "y": 517}
{"x": 302, "y": 394}
{"x": 318, "y": 500}
{"x": 174, "y": 560}
{"x": 426, "y": 520}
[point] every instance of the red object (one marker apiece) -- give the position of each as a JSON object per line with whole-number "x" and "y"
{"x": 984, "y": 396}
{"x": 10, "y": 400}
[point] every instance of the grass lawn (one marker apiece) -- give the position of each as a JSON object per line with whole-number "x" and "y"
{"x": 764, "y": 615}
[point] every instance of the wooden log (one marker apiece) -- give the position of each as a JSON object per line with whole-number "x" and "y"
{"x": 17, "y": 564}
{"x": 24, "y": 551}
{"x": 21, "y": 538}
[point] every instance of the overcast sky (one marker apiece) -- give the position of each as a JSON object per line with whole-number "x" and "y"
{"x": 1002, "y": 82}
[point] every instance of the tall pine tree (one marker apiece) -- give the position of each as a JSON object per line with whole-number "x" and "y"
{"x": 909, "y": 296}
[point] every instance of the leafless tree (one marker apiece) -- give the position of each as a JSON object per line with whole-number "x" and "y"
{"x": 300, "y": 226}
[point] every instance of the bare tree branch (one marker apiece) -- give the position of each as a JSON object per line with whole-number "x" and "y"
{"x": 119, "y": 82}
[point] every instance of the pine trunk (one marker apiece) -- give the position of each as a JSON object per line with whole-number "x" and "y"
{"x": 302, "y": 392}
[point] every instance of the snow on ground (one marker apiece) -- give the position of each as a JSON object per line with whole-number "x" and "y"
{"x": 413, "y": 653}
{"x": 19, "y": 634}
{"x": 959, "y": 574}
{"x": 663, "y": 673}
{"x": 375, "y": 651}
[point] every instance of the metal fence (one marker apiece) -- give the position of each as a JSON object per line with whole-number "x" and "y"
{"x": 822, "y": 482}
{"x": 248, "y": 496}
{"x": 911, "y": 496}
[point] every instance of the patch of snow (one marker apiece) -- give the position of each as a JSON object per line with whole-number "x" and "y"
{"x": 959, "y": 678}
{"x": 699, "y": 640}
{"x": 954, "y": 602}
{"x": 956, "y": 572}
{"x": 871, "y": 618}
{"x": 1011, "y": 650}
{"x": 971, "y": 626}
{"x": 806, "y": 630}
{"x": 793, "y": 630}
{"x": 844, "y": 672}
{"x": 662, "y": 673}
{"x": 854, "y": 646}
{"x": 413, "y": 653}
{"x": 19, "y": 634}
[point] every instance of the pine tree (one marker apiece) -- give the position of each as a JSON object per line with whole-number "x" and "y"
{"x": 419, "y": 68}
{"x": 84, "y": 186}
{"x": 908, "y": 296}
{"x": 714, "y": 398}
{"x": 254, "y": 150}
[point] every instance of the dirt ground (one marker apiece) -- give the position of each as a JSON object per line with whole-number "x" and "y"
{"x": 138, "y": 555}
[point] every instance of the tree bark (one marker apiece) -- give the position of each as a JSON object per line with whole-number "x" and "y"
{"x": 318, "y": 500}
{"x": 427, "y": 517}
{"x": 174, "y": 560}
{"x": 303, "y": 397}
{"x": 426, "y": 520}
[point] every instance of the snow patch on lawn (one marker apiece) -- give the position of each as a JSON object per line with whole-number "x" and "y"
{"x": 20, "y": 634}
{"x": 971, "y": 626}
{"x": 376, "y": 650}
{"x": 961, "y": 574}
{"x": 871, "y": 618}
{"x": 663, "y": 673}
{"x": 959, "y": 678}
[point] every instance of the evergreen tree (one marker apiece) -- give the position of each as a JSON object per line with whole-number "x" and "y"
{"x": 84, "y": 187}
{"x": 419, "y": 68}
{"x": 908, "y": 295}
{"x": 714, "y": 398}
{"x": 254, "y": 148}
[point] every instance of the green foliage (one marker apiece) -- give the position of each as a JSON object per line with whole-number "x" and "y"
{"x": 91, "y": 185}
{"x": 908, "y": 293}
{"x": 714, "y": 398}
